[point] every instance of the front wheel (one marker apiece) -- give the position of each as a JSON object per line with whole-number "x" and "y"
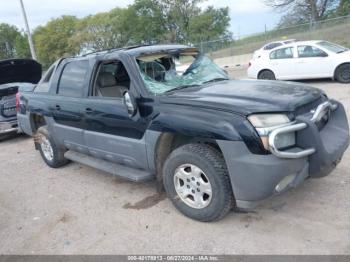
{"x": 196, "y": 181}
{"x": 342, "y": 73}
{"x": 266, "y": 75}
{"x": 49, "y": 151}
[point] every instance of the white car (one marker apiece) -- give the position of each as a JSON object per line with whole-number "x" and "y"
{"x": 266, "y": 48}
{"x": 303, "y": 60}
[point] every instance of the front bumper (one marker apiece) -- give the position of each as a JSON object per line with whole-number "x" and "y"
{"x": 257, "y": 177}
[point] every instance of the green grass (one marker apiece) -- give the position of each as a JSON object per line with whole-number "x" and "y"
{"x": 337, "y": 32}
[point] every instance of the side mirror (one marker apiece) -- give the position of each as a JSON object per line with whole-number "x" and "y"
{"x": 130, "y": 104}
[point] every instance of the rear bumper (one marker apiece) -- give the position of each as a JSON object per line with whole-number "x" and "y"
{"x": 257, "y": 177}
{"x": 8, "y": 126}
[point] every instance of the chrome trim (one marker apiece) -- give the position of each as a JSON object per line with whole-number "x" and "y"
{"x": 283, "y": 154}
{"x": 321, "y": 110}
{"x": 8, "y": 130}
{"x": 265, "y": 131}
{"x": 273, "y": 131}
{"x": 6, "y": 127}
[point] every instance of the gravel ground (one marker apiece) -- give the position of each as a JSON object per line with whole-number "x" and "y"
{"x": 79, "y": 210}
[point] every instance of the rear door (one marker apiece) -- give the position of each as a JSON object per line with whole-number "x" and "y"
{"x": 313, "y": 62}
{"x": 67, "y": 107}
{"x": 41, "y": 89}
{"x": 282, "y": 63}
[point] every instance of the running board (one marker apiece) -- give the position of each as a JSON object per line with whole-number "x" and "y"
{"x": 129, "y": 173}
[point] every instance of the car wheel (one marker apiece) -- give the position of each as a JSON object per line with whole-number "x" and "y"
{"x": 342, "y": 73}
{"x": 49, "y": 151}
{"x": 197, "y": 182}
{"x": 266, "y": 75}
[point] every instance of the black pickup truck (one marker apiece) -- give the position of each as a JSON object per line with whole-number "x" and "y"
{"x": 15, "y": 75}
{"x": 169, "y": 113}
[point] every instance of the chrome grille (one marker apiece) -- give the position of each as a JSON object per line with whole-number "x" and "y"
{"x": 306, "y": 109}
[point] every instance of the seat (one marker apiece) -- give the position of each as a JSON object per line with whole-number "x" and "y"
{"x": 308, "y": 52}
{"x": 107, "y": 86}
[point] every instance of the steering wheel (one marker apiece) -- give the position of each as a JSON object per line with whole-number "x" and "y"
{"x": 155, "y": 70}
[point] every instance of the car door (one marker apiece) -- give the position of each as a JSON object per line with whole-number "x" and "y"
{"x": 111, "y": 134}
{"x": 282, "y": 63}
{"x": 312, "y": 62}
{"x": 66, "y": 105}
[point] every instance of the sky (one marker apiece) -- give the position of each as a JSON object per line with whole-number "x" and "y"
{"x": 247, "y": 16}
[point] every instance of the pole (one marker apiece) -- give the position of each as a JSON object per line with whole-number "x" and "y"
{"x": 30, "y": 40}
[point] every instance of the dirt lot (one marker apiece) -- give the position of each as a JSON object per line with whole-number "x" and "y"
{"x": 79, "y": 210}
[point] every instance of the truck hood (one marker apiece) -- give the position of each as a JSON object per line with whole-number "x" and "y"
{"x": 20, "y": 70}
{"x": 246, "y": 96}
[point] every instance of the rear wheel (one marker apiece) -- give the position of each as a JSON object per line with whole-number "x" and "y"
{"x": 266, "y": 75}
{"x": 50, "y": 152}
{"x": 196, "y": 181}
{"x": 342, "y": 74}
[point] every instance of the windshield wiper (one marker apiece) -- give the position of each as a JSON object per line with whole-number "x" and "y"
{"x": 215, "y": 80}
{"x": 180, "y": 88}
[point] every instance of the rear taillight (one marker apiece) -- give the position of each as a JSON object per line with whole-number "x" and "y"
{"x": 17, "y": 101}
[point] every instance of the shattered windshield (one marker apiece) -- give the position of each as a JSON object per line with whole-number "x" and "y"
{"x": 168, "y": 72}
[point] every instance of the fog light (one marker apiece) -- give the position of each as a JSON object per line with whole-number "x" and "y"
{"x": 285, "y": 140}
{"x": 284, "y": 183}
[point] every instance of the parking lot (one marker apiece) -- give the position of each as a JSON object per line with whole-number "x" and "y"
{"x": 80, "y": 210}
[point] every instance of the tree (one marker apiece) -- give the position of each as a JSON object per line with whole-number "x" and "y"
{"x": 8, "y": 35}
{"x": 52, "y": 41}
{"x": 343, "y": 9}
{"x": 180, "y": 20}
{"x": 178, "y": 14}
{"x": 13, "y": 43}
{"x": 22, "y": 46}
{"x": 149, "y": 23}
{"x": 100, "y": 31}
{"x": 145, "y": 21}
{"x": 302, "y": 10}
{"x": 210, "y": 24}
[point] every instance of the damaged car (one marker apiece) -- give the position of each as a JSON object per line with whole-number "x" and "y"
{"x": 16, "y": 75}
{"x": 169, "y": 113}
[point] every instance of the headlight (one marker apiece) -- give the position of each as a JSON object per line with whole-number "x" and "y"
{"x": 265, "y": 123}
{"x": 268, "y": 120}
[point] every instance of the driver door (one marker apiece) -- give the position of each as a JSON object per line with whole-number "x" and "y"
{"x": 111, "y": 134}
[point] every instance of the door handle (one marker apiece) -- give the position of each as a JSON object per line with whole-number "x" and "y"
{"x": 89, "y": 110}
{"x": 58, "y": 107}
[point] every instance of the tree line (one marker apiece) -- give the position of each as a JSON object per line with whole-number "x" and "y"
{"x": 144, "y": 22}
{"x": 149, "y": 22}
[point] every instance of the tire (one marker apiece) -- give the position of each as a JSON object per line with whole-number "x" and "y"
{"x": 342, "y": 74}
{"x": 49, "y": 151}
{"x": 266, "y": 75}
{"x": 208, "y": 168}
